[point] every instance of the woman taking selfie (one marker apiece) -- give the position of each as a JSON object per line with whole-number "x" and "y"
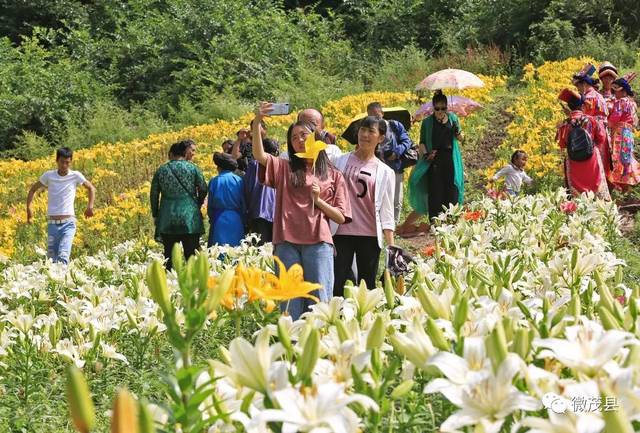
{"x": 307, "y": 198}
{"x": 371, "y": 186}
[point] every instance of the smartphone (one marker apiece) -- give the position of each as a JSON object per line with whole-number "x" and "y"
{"x": 280, "y": 109}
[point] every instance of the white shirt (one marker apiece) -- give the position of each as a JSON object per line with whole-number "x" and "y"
{"x": 513, "y": 177}
{"x": 62, "y": 191}
{"x": 384, "y": 191}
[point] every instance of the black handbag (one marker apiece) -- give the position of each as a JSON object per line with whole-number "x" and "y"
{"x": 409, "y": 158}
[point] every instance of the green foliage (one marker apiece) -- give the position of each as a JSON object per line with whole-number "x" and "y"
{"x": 106, "y": 121}
{"x": 39, "y": 89}
{"x": 71, "y": 68}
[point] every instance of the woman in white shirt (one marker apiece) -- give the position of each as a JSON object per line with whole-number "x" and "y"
{"x": 370, "y": 185}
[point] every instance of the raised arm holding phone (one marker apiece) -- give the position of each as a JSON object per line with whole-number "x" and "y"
{"x": 305, "y": 203}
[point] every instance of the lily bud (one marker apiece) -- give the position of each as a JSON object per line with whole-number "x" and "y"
{"x": 55, "y": 331}
{"x": 146, "y": 422}
{"x": 616, "y": 420}
{"x": 388, "y": 289}
{"x": 157, "y": 282}
{"x": 177, "y": 258}
{"x": 403, "y": 389}
{"x": 125, "y": 413}
{"x": 496, "y": 344}
{"x": 79, "y": 398}
{"x": 431, "y": 304}
{"x": 461, "y": 312}
{"x": 575, "y": 305}
{"x": 609, "y": 322}
{"x": 285, "y": 338}
{"x": 202, "y": 272}
{"x": 435, "y": 334}
{"x": 343, "y": 333}
{"x": 309, "y": 355}
{"x": 376, "y": 334}
{"x": 400, "y": 289}
{"x": 522, "y": 342}
{"x": 217, "y": 291}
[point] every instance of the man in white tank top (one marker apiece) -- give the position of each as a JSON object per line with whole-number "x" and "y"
{"x": 61, "y": 185}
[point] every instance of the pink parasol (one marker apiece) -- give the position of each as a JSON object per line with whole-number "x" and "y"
{"x": 450, "y": 79}
{"x": 460, "y": 105}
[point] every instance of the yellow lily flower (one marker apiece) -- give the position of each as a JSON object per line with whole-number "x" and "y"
{"x": 289, "y": 285}
{"x": 312, "y": 148}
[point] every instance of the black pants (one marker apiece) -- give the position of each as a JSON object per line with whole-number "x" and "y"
{"x": 190, "y": 243}
{"x": 442, "y": 189}
{"x": 262, "y": 227}
{"x": 367, "y": 254}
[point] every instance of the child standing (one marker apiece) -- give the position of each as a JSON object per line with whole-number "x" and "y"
{"x": 514, "y": 173}
{"x": 61, "y": 221}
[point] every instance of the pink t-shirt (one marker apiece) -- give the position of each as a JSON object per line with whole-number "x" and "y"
{"x": 295, "y": 219}
{"x": 361, "y": 184}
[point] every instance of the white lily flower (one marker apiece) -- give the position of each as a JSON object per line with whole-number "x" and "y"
{"x": 415, "y": 344}
{"x": 108, "y": 351}
{"x": 473, "y": 367}
{"x": 487, "y": 402}
{"x": 587, "y": 347}
{"x": 324, "y": 408}
{"x": 250, "y": 364}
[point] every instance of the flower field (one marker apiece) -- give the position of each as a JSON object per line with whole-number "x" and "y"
{"x": 517, "y": 319}
{"x": 517, "y": 301}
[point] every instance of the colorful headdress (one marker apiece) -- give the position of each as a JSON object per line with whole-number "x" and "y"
{"x": 625, "y": 82}
{"x": 570, "y": 97}
{"x": 585, "y": 75}
{"x": 606, "y": 68}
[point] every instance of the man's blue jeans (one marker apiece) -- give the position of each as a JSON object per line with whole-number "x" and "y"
{"x": 317, "y": 263}
{"x": 60, "y": 239}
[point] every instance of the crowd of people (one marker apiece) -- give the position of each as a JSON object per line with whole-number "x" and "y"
{"x": 336, "y": 214}
{"x": 597, "y": 135}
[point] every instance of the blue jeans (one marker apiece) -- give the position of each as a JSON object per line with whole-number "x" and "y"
{"x": 59, "y": 240}
{"x": 317, "y": 263}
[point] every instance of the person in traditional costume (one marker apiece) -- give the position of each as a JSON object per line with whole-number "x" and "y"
{"x": 588, "y": 174}
{"x": 607, "y": 73}
{"x": 595, "y": 105}
{"x": 623, "y": 119}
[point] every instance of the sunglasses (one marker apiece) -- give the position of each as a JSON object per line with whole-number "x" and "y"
{"x": 439, "y": 108}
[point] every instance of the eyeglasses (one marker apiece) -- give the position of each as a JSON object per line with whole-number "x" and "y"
{"x": 439, "y": 108}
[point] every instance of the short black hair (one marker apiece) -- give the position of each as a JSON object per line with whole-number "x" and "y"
{"x": 516, "y": 154}
{"x": 179, "y": 149}
{"x": 372, "y": 121}
{"x": 271, "y": 146}
{"x": 64, "y": 152}
{"x": 374, "y": 106}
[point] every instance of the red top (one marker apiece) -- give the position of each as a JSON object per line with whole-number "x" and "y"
{"x": 593, "y": 127}
{"x": 295, "y": 219}
{"x": 623, "y": 111}
{"x": 595, "y": 105}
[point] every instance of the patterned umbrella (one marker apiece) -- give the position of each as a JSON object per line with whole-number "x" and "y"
{"x": 457, "y": 104}
{"x": 450, "y": 79}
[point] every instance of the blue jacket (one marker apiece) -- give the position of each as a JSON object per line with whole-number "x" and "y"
{"x": 396, "y": 142}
